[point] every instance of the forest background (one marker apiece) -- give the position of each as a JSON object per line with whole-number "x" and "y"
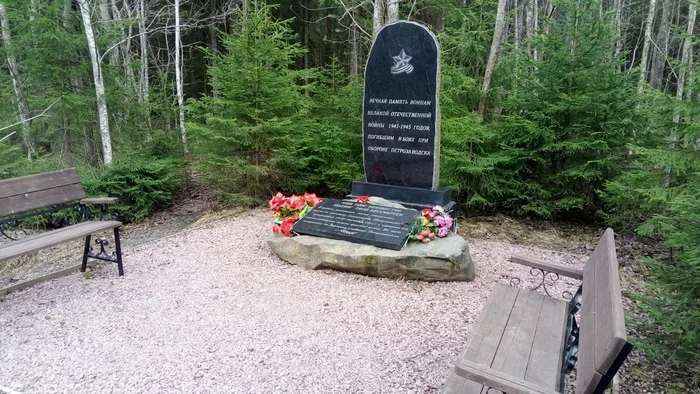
{"x": 579, "y": 110}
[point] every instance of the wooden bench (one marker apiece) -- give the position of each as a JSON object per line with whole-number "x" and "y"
{"x": 27, "y": 196}
{"x": 525, "y": 342}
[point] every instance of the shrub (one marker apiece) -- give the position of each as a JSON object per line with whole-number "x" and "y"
{"x": 142, "y": 185}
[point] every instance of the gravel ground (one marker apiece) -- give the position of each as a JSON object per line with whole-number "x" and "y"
{"x": 213, "y": 310}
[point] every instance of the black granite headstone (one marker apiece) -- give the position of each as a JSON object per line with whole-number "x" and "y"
{"x": 400, "y": 122}
{"x": 347, "y": 220}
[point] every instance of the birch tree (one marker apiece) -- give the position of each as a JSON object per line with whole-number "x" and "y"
{"x": 178, "y": 77}
{"x": 617, "y": 25}
{"x": 658, "y": 60}
{"x": 377, "y": 18}
{"x": 20, "y": 101}
{"x": 102, "y": 114}
{"x": 392, "y": 11}
{"x": 686, "y": 59}
{"x": 644, "y": 62}
{"x": 493, "y": 55}
{"x": 143, "y": 44}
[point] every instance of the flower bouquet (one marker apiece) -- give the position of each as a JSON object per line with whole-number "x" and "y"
{"x": 288, "y": 210}
{"x": 432, "y": 223}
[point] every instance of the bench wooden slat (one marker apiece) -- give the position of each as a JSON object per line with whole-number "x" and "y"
{"x": 556, "y": 268}
{"x": 505, "y": 334}
{"x": 516, "y": 343}
{"x": 587, "y": 377}
{"x": 40, "y": 199}
{"x": 41, "y": 241}
{"x": 609, "y": 317}
{"x": 33, "y": 183}
{"x": 545, "y": 346}
{"x": 486, "y": 335}
{"x": 603, "y": 335}
{"x": 500, "y": 380}
{"x": 459, "y": 385}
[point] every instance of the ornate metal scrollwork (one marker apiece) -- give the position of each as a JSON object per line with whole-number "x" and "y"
{"x": 102, "y": 254}
{"x": 538, "y": 272}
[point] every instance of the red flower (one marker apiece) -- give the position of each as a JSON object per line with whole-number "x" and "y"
{"x": 362, "y": 200}
{"x": 277, "y": 202}
{"x": 312, "y": 199}
{"x": 287, "y": 228}
{"x": 426, "y": 211}
{"x": 295, "y": 203}
{"x": 276, "y": 229}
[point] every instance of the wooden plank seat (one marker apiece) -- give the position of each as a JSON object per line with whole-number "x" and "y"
{"x": 525, "y": 342}
{"x": 24, "y": 197}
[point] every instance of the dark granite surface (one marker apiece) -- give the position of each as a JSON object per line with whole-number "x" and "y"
{"x": 401, "y": 137}
{"x": 369, "y": 224}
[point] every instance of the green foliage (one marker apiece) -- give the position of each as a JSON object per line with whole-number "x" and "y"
{"x": 335, "y": 150}
{"x": 660, "y": 196}
{"x": 10, "y": 159}
{"x": 249, "y": 138}
{"x": 142, "y": 185}
{"x": 262, "y": 133}
{"x": 566, "y": 117}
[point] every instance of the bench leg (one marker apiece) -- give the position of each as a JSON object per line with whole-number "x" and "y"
{"x": 85, "y": 253}
{"x": 118, "y": 247}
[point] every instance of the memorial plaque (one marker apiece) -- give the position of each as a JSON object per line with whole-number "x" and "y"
{"x": 401, "y": 116}
{"x": 385, "y": 227}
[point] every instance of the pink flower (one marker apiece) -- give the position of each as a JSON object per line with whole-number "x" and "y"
{"x": 439, "y": 208}
{"x": 448, "y": 222}
{"x": 439, "y": 220}
{"x": 443, "y": 231}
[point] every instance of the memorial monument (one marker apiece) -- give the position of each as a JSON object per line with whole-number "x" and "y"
{"x": 401, "y": 153}
{"x": 401, "y": 119}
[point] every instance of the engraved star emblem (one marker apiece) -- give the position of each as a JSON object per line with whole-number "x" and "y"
{"x": 402, "y": 59}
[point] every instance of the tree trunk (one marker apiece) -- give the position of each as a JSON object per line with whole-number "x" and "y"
{"x": 127, "y": 57}
{"x": 214, "y": 44}
{"x": 644, "y": 62}
{"x": 178, "y": 77}
{"x": 143, "y": 43}
{"x": 617, "y": 25}
{"x": 493, "y": 55}
{"x": 686, "y": 59}
{"x": 518, "y": 21}
{"x": 531, "y": 22}
{"x": 377, "y": 18}
{"x": 354, "y": 53}
{"x": 102, "y": 115}
{"x": 392, "y": 12}
{"x": 658, "y": 61}
{"x": 20, "y": 101}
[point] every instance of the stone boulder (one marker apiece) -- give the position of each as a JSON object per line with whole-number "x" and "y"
{"x": 443, "y": 259}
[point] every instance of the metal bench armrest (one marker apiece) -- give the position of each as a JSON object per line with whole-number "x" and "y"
{"x": 490, "y": 377}
{"x": 548, "y": 267}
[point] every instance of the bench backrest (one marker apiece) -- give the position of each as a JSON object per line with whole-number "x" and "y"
{"x": 37, "y": 191}
{"x": 603, "y": 345}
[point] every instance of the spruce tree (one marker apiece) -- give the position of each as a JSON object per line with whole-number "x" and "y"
{"x": 249, "y": 139}
{"x": 567, "y": 117}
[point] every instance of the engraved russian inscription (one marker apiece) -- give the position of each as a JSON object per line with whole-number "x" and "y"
{"x": 386, "y": 227}
{"x": 401, "y": 135}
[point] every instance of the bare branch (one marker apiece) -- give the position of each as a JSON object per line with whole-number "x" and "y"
{"x": 27, "y": 120}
